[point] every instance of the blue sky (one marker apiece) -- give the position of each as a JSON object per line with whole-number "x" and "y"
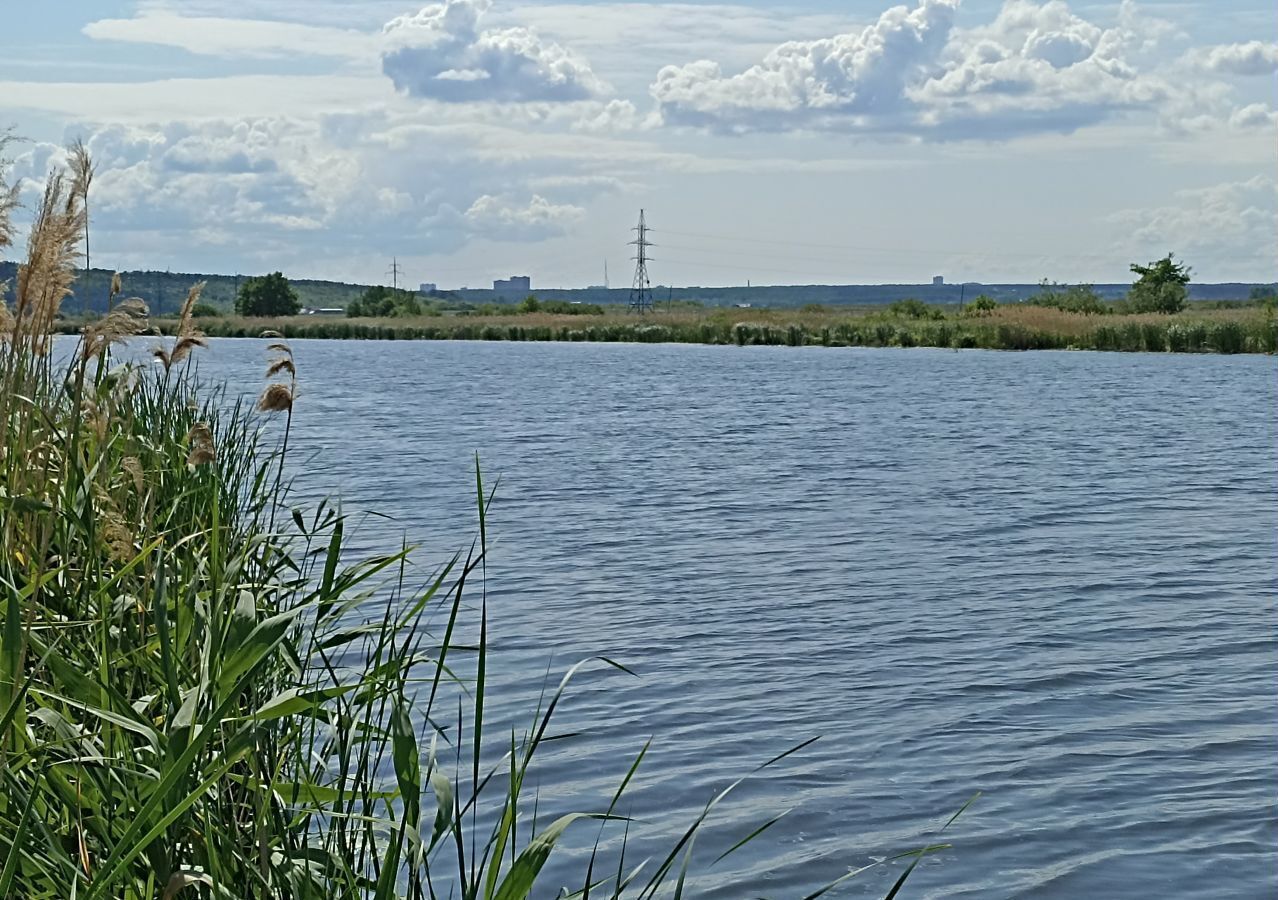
{"x": 812, "y": 142}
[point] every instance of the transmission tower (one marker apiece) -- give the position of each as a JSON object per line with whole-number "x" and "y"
{"x": 394, "y": 272}
{"x": 641, "y": 289}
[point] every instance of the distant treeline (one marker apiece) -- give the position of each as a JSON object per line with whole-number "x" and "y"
{"x": 165, "y": 291}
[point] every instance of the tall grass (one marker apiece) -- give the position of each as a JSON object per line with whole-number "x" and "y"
{"x": 200, "y": 695}
{"x": 1019, "y": 327}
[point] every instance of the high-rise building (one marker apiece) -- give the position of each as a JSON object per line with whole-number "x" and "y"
{"x": 515, "y": 285}
{"x": 427, "y": 287}
{"x": 938, "y": 280}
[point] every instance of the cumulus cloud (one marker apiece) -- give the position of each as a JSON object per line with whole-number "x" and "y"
{"x": 275, "y": 192}
{"x": 859, "y": 74}
{"x": 1232, "y": 223}
{"x": 442, "y": 53}
{"x": 504, "y": 219}
{"x": 1250, "y": 58}
{"x": 1036, "y": 67}
{"x": 1253, "y": 116}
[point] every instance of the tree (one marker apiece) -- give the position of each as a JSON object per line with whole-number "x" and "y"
{"x": 267, "y": 295}
{"x": 1160, "y": 287}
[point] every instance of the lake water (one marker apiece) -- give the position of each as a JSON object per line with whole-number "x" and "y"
{"x": 1049, "y": 577}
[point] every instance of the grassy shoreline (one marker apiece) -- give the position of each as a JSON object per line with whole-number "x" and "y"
{"x": 201, "y": 696}
{"x": 1018, "y": 327}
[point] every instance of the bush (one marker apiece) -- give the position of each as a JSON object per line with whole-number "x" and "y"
{"x": 383, "y": 302}
{"x": 1077, "y": 298}
{"x": 981, "y": 306}
{"x": 914, "y": 309}
{"x": 205, "y": 311}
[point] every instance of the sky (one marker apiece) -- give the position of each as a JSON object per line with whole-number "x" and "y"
{"x": 799, "y": 143}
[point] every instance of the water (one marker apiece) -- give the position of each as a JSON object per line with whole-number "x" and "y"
{"x": 1048, "y": 577}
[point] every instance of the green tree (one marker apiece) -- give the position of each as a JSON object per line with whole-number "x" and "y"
{"x": 267, "y": 295}
{"x": 1161, "y": 286}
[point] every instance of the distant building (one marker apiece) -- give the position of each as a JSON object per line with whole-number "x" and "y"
{"x": 325, "y": 311}
{"x": 515, "y": 284}
{"x": 427, "y": 287}
{"x": 938, "y": 280}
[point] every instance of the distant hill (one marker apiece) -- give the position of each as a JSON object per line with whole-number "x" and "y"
{"x": 164, "y": 292}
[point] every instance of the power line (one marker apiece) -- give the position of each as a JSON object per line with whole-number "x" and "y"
{"x": 394, "y": 272}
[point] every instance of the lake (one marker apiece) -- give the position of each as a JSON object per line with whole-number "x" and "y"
{"x": 1048, "y": 577}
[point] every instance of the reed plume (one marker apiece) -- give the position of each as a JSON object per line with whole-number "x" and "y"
{"x": 200, "y": 442}
{"x": 44, "y": 280}
{"x": 82, "y": 172}
{"x": 188, "y": 336}
{"x": 126, "y": 320}
{"x": 8, "y": 196}
{"x": 278, "y": 397}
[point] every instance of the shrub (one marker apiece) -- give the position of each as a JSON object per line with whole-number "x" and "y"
{"x": 1077, "y": 298}
{"x": 981, "y": 306}
{"x": 911, "y": 308}
{"x": 380, "y": 301}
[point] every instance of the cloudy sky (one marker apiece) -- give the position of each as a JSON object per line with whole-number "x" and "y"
{"x": 822, "y": 141}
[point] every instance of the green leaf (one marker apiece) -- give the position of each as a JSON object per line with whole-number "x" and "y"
{"x": 519, "y": 880}
{"x": 407, "y": 762}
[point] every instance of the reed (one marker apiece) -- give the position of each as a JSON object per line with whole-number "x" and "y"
{"x": 199, "y": 701}
{"x": 1009, "y": 327}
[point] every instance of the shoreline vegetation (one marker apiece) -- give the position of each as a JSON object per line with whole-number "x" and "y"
{"x": 201, "y": 696}
{"x": 1196, "y": 329}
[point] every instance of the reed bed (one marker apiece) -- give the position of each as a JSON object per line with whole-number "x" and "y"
{"x": 1010, "y": 327}
{"x": 200, "y": 694}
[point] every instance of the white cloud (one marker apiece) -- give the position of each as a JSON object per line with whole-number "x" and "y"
{"x": 1037, "y": 67}
{"x": 219, "y": 36}
{"x": 615, "y": 116}
{"x": 1253, "y": 116}
{"x": 441, "y": 53}
{"x": 860, "y": 74}
{"x": 504, "y": 219}
{"x": 1232, "y": 224}
{"x": 1250, "y": 58}
{"x": 282, "y": 192}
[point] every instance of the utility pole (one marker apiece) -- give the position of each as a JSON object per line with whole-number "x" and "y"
{"x": 641, "y": 288}
{"x": 394, "y": 272}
